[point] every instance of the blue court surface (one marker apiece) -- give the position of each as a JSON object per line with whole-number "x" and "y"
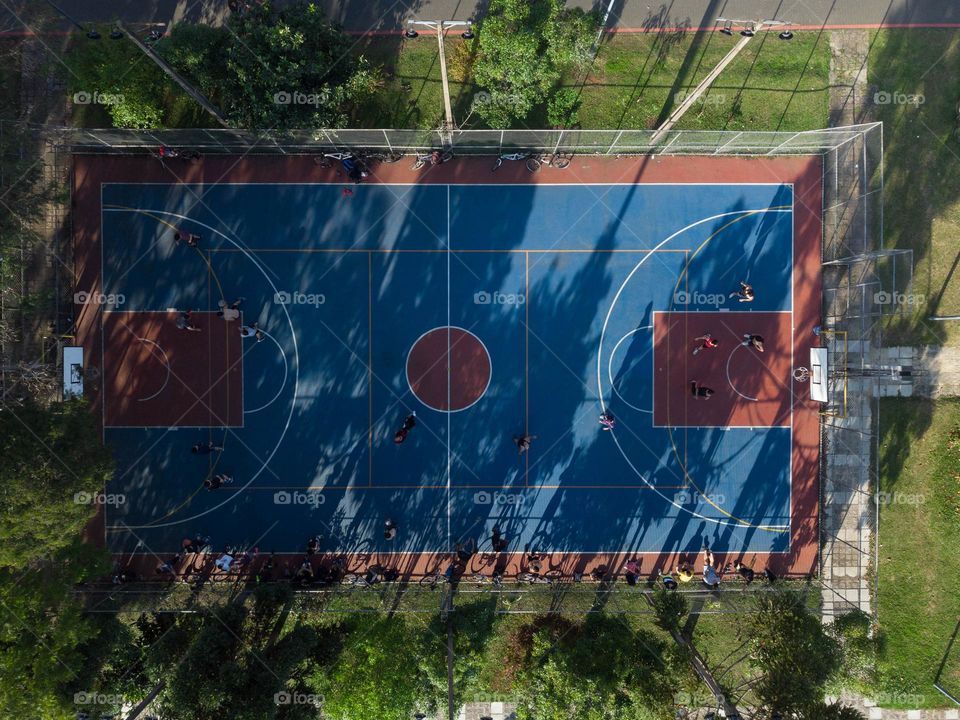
{"x": 554, "y": 288}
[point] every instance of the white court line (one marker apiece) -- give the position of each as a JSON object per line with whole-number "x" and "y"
{"x": 450, "y": 415}
{"x": 730, "y": 382}
{"x": 282, "y": 385}
{"x": 166, "y": 364}
{"x": 613, "y": 354}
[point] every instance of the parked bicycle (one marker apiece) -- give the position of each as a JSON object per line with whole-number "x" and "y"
{"x": 512, "y": 157}
{"x": 558, "y": 160}
{"x": 547, "y": 578}
{"x": 437, "y": 157}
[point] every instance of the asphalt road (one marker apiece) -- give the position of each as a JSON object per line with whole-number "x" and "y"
{"x": 18, "y": 16}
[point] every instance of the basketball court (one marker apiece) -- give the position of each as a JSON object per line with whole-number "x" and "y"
{"x": 492, "y": 305}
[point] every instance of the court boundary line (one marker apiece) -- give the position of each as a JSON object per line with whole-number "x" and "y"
{"x": 526, "y": 252}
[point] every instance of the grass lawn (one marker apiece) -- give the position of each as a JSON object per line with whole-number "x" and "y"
{"x": 634, "y": 83}
{"x": 919, "y": 588}
{"x": 772, "y": 85}
{"x": 922, "y": 180}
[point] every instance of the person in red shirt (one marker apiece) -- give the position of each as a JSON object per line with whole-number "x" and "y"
{"x": 708, "y": 342}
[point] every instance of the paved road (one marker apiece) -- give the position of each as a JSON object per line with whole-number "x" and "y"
{"x": 625, "y": 15}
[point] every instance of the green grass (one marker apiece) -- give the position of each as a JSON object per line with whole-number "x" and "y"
{"x": 919, "y": 588}
{"x": 922, "y": 181}
{"x": 633, "y": 83}
{"x": 771, "y": 85}
{"x": 412, "y": 92}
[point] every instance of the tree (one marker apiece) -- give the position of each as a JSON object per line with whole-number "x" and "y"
{"x": 523, "y": 49}
{"x": 117, "y": 78}
{"x": 42, "y": 632}
{"x": 54, "y": 469}
{"x": 794, "y": 653}
{"x": 274, "y": 69}
{"x": 598, "y": 669}
{"x": 377, "y": 675}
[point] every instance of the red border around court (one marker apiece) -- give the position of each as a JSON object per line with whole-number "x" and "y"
{"x": 804, "y": 173}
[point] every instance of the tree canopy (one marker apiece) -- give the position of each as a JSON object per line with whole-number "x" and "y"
{"x": 524, "y": 47}
{"x": 274, "y": 69}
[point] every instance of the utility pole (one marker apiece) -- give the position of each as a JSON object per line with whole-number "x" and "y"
{"x": 446, "y": 133}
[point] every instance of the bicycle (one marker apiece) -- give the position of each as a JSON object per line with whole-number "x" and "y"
{"x": 326, "y": 159}
{"x": 559, "y": 160}
{"x": 547, "y": 578}
{"x": 509, "y": 156}
{"x": 363, "y": 580}
{"x": 381, "y": 157}
{"x": 436, "y": 157}
{"x": 496, "y": 580}
{"x": 437, "y": 578}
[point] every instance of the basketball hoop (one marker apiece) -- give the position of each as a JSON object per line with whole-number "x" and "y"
{"x": 801, "y": 374}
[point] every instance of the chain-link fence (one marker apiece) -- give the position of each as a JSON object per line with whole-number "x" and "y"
{"x": 472, "y": 142}
{"x": 862, "y": 281}
{"x": 864, "y": 285}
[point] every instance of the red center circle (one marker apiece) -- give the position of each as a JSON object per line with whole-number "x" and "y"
{"x": 448, "y": 369}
